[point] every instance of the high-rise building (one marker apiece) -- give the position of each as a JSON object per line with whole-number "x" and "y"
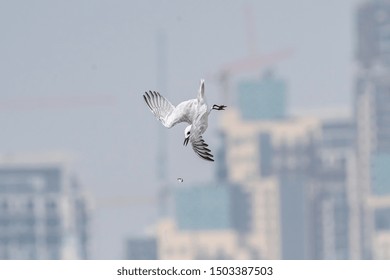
{"x": 263, "y": 99}
{"x": 297, "y": 174}
{"x": 212, "y": 206}
{"x": 44, "y": 213}
{"x": 174, "y": 243}
{"x": 210, "y": 222}
{"x": 143, "y": 248}
{"x": 372, "y": 114}
{"x": 273, "y": 161}
{"x": 373, "y": 33}
{"x": 329, "y": 217}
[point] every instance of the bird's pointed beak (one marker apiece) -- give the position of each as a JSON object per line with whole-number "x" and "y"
{"x": 186, "y": 141}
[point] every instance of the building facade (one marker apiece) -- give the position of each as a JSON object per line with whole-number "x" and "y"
{"x": 273, "y": 162}
{"x": 44, "y": 214}
{"x": 372, "y": 114}
{"x": 210, "y": 222}
{"x": 143, "y": 248}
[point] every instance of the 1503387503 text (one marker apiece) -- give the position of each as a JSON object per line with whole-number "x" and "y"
{"x": 241, "y": 270}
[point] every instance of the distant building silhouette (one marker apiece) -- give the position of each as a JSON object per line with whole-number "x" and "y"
{"x": 372, "y": 114}
{"x": 174, "y": 243}
{"x": 330, "y": 190}
{"x": 263, "y": 99}
{"x": 43, "y": 212}
{"x": 144, "y": 248}
{"x": 273, "y": 162}
{"x": 373, "y": 42}
{"x": 297, "y": 173}
{"x": 209, "y": 223}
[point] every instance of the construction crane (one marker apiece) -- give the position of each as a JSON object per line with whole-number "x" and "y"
{"x": 253, "y": 62}
{"x": 245, "y": 65}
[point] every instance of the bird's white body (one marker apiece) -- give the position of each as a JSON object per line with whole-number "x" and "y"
{"x": 190, "y": 111}
{"x": 195, "y": 112}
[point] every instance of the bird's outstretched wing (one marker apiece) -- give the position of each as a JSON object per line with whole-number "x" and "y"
{"x": 159, "y": 106}
{"x": 200, "y": 147}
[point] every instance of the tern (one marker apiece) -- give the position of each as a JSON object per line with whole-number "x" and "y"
{"x": 195, "y": 112}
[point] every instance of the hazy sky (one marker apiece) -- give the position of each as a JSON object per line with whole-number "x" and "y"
{"x": 92, "y": 48}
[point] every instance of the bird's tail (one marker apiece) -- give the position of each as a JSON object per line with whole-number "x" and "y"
{"x": 201, "y": 90}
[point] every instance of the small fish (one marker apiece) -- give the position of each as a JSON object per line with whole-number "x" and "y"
{"x": 180, "y": 180}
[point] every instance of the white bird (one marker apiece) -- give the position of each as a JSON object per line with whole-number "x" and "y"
{"x": 195, "y": 112}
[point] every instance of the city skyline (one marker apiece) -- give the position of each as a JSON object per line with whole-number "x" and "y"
{"x": 110, "y": 49}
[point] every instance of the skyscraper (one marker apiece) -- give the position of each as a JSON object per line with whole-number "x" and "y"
{"x": 263, "y": 99}
{"x": 297, "y": 173}
{"x": 44, "y": 213}
{"x": 207, "y": 218}
{"x": 372, "y": 114}
{"x": 330, "y": 190}
{"x": 212, "y": 206}
{"x": 373, "y": 34}
{"x": 144, "y": 248}
{"x": 273, "y": 161}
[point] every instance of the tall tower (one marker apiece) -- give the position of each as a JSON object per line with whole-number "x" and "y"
{"x": 44, "y": 214}
{"x": 161, "y": 77}
{"x": 373, "y": 41}
{"x": 164, "y": 193}
{"x": 372, "y": 114}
